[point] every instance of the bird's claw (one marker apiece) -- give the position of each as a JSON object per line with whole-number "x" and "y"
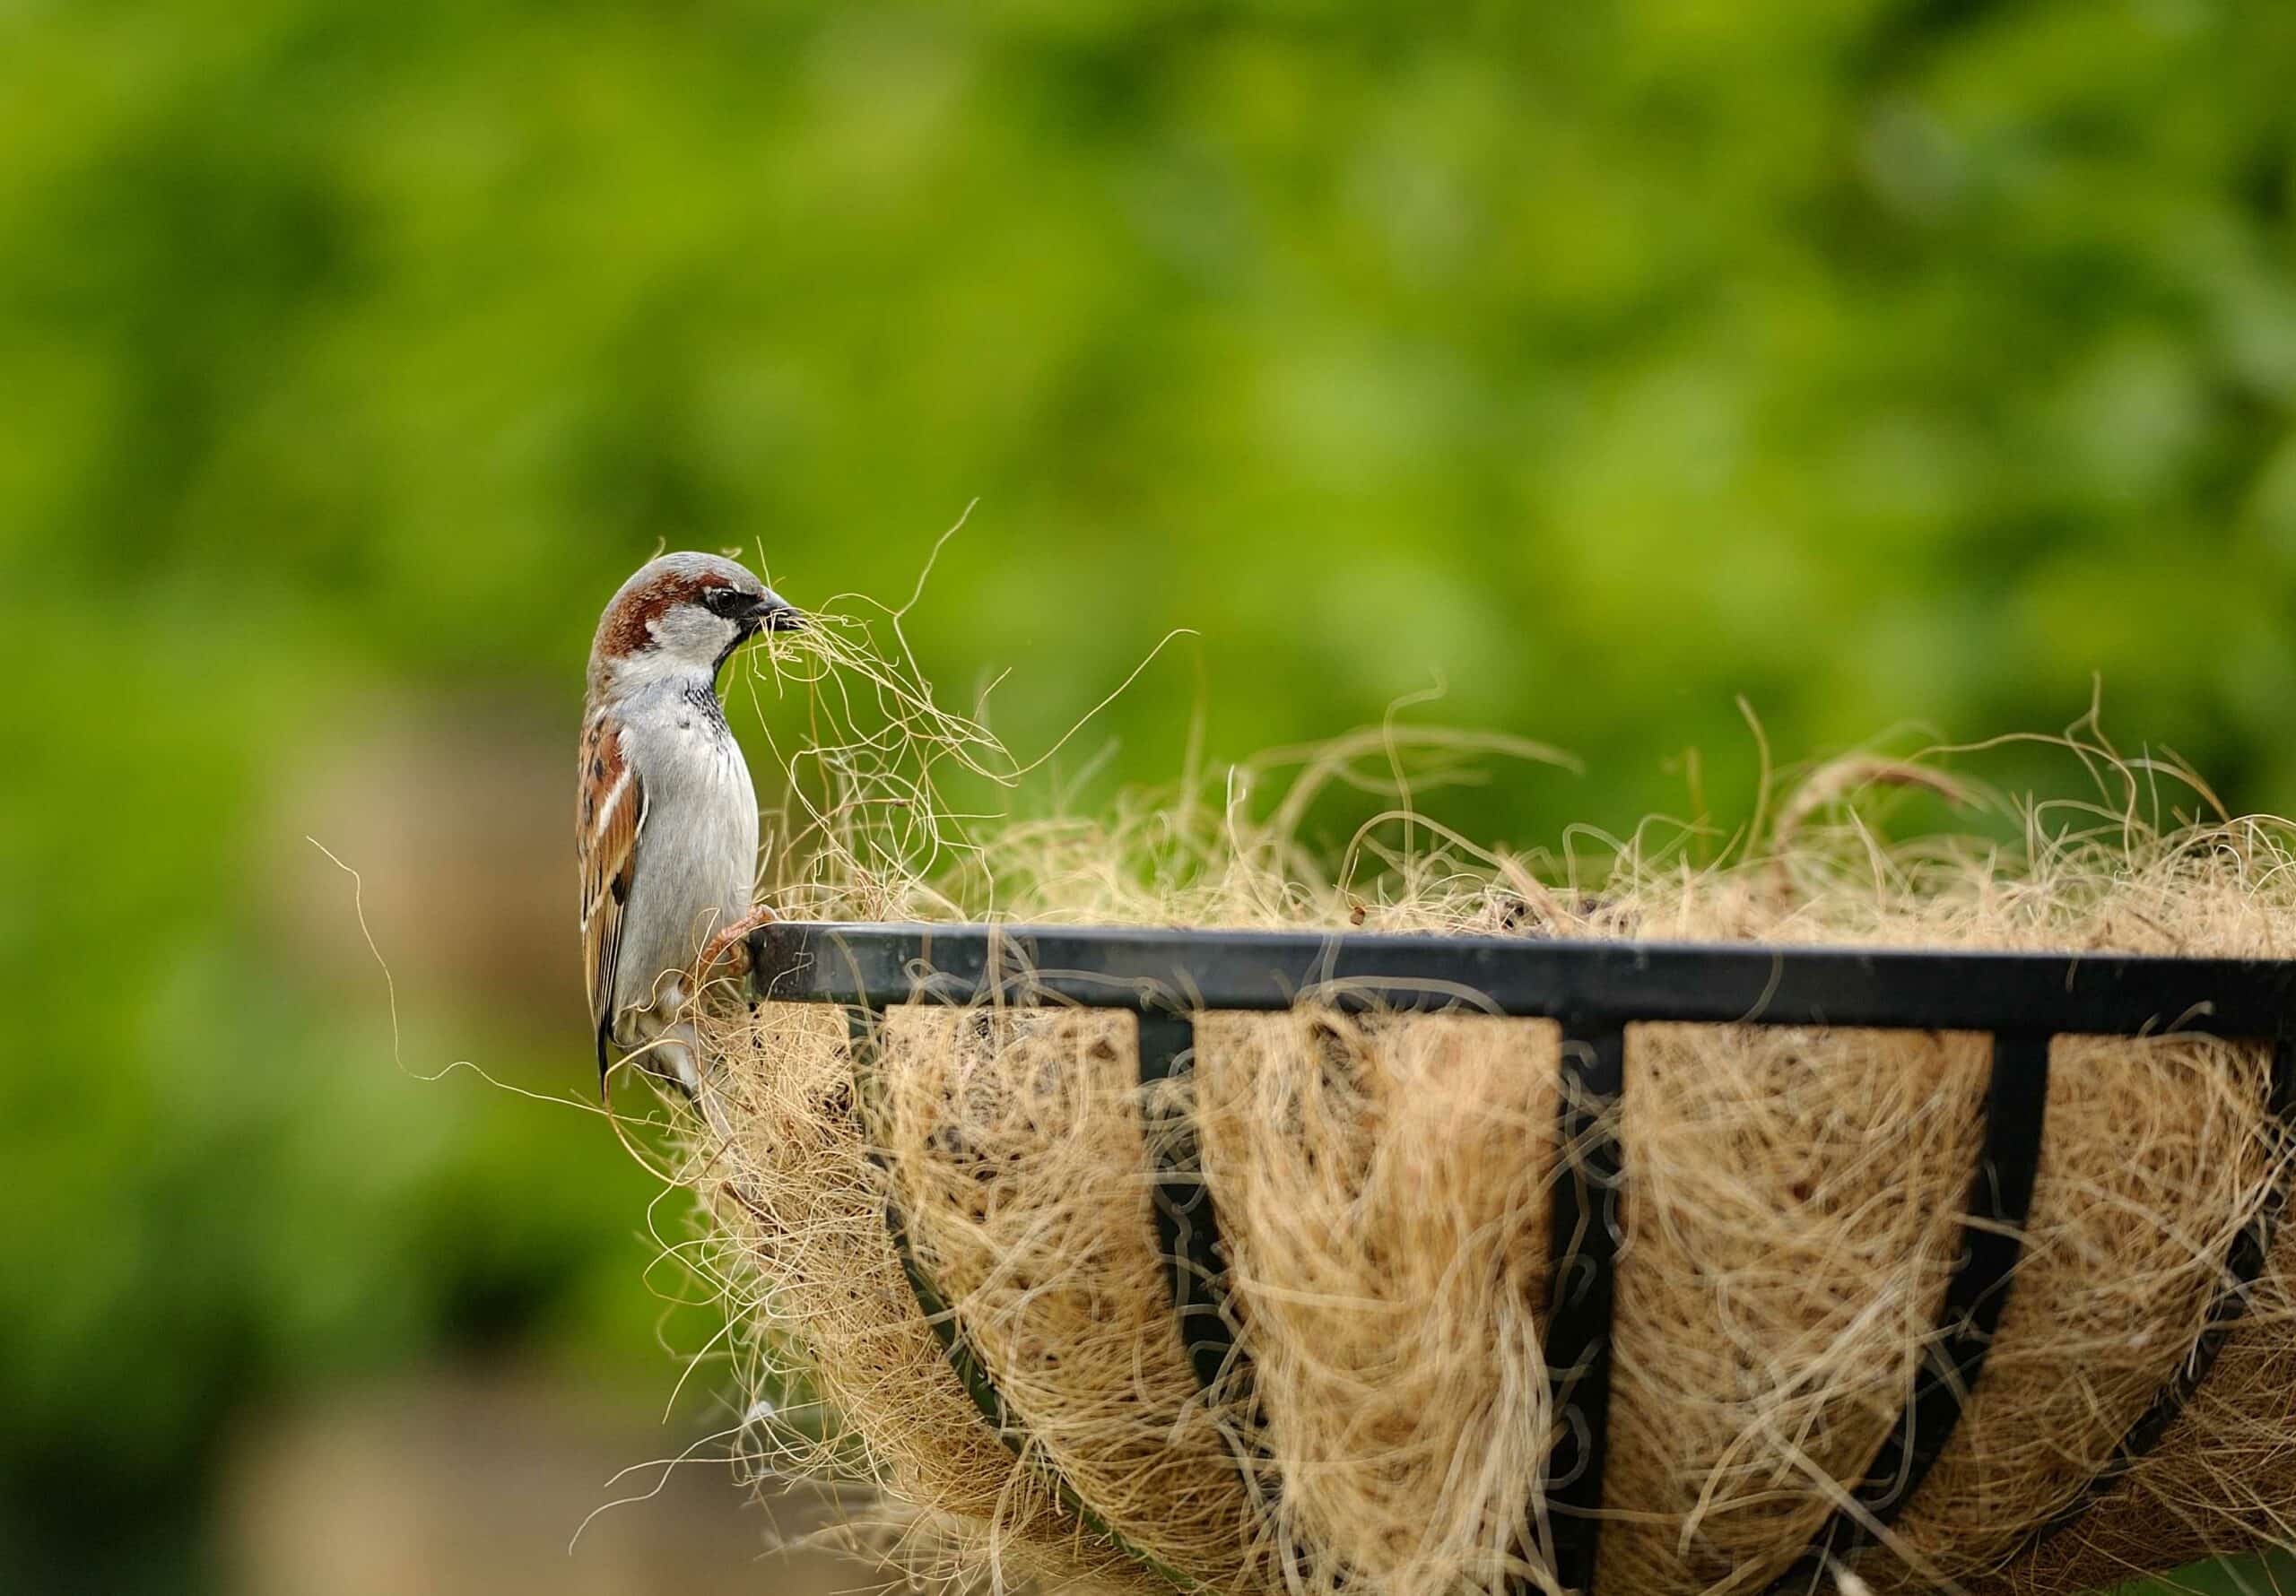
{"x": 730, "y": 947}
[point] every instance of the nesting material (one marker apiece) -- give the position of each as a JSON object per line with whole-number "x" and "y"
{"x": 1793, "y": 1209}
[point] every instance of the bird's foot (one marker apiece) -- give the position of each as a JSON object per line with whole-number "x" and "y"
{"x": 730, "y": 948}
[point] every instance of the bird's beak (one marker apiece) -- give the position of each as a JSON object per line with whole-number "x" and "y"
{"x": 774, "y": 614}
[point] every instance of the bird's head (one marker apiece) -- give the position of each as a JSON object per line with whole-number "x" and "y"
{"x": 682, "y": 615}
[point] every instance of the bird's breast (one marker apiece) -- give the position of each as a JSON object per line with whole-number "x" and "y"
{"x": 696, "y": 849}
{"x": 705, "y": 816}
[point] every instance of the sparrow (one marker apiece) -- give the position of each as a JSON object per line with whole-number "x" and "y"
{"x": 667, "y": 827}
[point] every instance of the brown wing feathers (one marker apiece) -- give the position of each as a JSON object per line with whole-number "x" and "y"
{"x": 613, "y": 809}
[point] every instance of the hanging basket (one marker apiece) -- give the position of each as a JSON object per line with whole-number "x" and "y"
{"x": 1247, "y": 1262}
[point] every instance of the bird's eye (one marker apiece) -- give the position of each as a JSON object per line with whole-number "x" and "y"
{"x": 727, "y": 601}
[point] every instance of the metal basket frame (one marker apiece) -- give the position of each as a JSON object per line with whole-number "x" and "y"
{"x": 1594, "y": 991}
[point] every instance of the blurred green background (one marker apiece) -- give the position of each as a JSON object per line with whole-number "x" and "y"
{"x": 1884, "y": 362}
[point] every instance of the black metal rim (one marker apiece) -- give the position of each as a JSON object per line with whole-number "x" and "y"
{"x": 1595, "y": 990}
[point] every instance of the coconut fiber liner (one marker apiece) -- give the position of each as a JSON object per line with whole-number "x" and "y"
{"x": 1792, "y": 1213}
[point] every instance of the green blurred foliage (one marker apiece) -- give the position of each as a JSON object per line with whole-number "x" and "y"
{"x": 1888, "y": 361}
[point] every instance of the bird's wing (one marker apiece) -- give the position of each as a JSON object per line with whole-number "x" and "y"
{"x": 612, "y": 813}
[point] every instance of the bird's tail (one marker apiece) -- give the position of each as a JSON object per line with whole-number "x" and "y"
{"x": 673, "y": 1055}
{"x": 677, "y": 1057}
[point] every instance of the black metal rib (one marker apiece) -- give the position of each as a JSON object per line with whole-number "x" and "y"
{"x": 1187, "y": 1223}
{"x": 957, "y": 1347}
{"x": 1582, "y": 1258}
{"x": 2244, "y": 1266}
{"x": 861, "y": 1024}
{"x": 2001, "y": 1198}
{"x": 1205, "y": 1313}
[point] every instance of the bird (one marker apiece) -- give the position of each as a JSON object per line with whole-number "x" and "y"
{"x": 666, "y": 818}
